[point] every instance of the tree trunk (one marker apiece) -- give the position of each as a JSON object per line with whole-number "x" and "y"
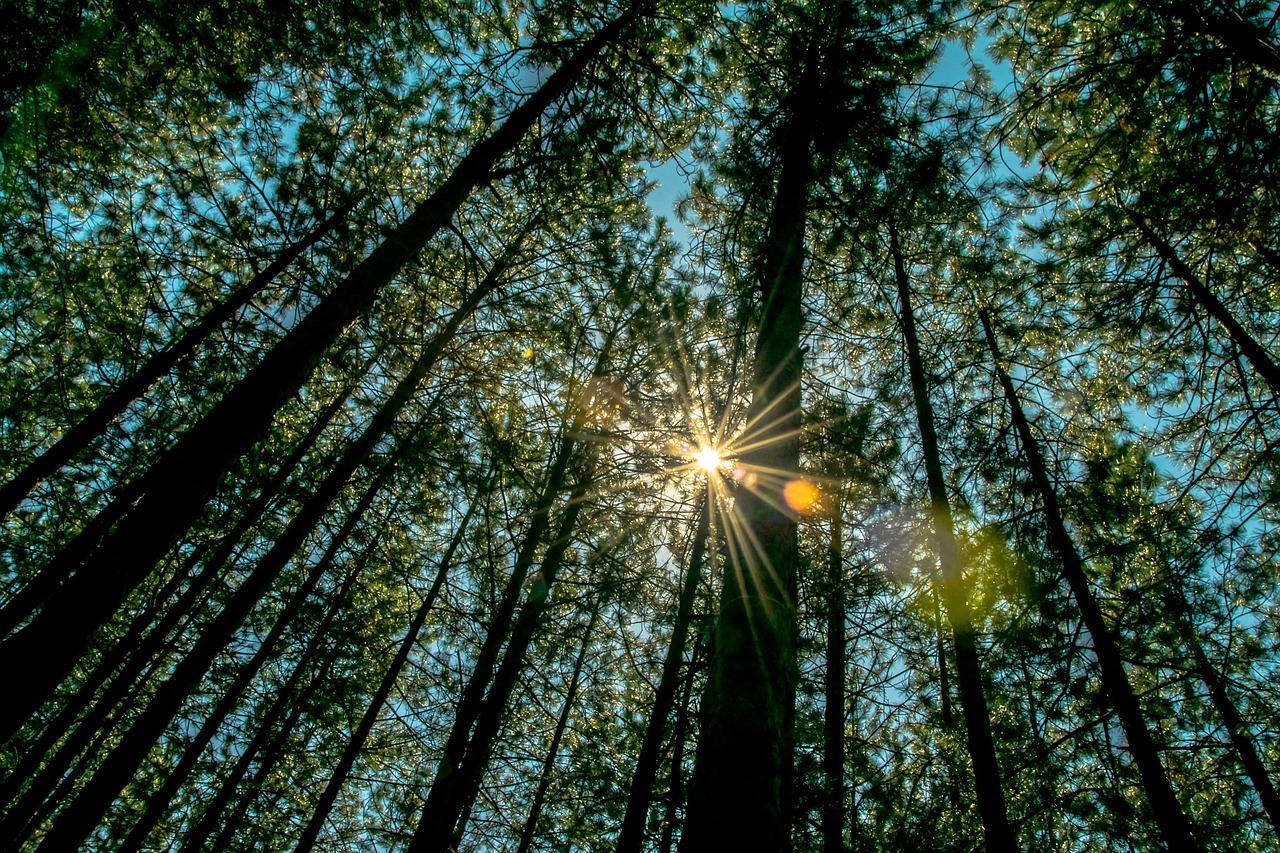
{"x": 740, "y": 797}
{"x": 1237, "y": 729}
{"x": 125, "y": 661}
{"x": 1247, "y": 343}
{"x": 675, "y": 788}
{"x": 74, "y": 598}
{"x": 530, "y": 830}
{"x": 833, "y": 714}
{"x": 321, "y": 813}
{"x": 93, "y": 424}
{"x": 1167, "y": 812}
{"x": 456, "y": 785}
{"x": 289, "y": 700}
{"x": 973, "y": 702}
{"x": 265, "y": 765}
{"x": 182, "y": 480}
{"x": 79, "y": 818}
{"x": 640, "y": 795}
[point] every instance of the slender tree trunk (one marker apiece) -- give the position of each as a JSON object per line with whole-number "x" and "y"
{"x": 179, "y": 484}
{"x": 1253, "y": 350}
{"x": 235, "y": 823}
{"x": 158, "y": 803}
{"x": 740, "y": 797}
{"x": 530, "y": 830}
{"x": 1242, "y": 738}
{"x": 1228, "y": 30}
{"x": 96, "y": 422}
{"x": 675, "y": 789}
{"x": 63, "y": 653}
{"x": 124, "y": 662}
{"x": 21, "y": 606}
{"x": 455, "y": 787}
{"x": 973, "y": 702}
{"x": 833, "y": 714}
{"x": 339, "y": 776}
{"x": 79, "y": 818}
{"x": 1167, "y": 812}
{"x": 640, "y": 795}
{"x": 289, "y": 699}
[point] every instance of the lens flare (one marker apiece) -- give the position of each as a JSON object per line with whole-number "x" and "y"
{"x": 800, "y": 495}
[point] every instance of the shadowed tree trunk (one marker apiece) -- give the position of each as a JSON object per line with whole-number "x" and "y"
{"x": 530, "y": 830}
{"x": 79, "y": 818}
{"x": 178, "y": 485}
{"x": 456, "y": 786}
{"x": 289, "y": 701}
{"x": 1254, "y": 351}
{"x": 1167, "y": 812}
{"x": 64, "y": 655}
{"x": 93, "y": 424}
{"x": 358, "y": 737}
{"x": 125, "y": 661}
{"x": 954, "y": 588}
{"x": 640, "y": 795}
{"x": 833, "y": 713}
{"x": 740, "y": 796}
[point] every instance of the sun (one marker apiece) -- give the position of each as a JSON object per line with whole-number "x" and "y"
{"x": 708, "y": 459}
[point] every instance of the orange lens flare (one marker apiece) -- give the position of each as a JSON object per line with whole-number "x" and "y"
{"x": 800, "y": 495}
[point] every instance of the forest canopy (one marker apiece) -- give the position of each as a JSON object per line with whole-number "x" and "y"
{"x": 641, "y": 425}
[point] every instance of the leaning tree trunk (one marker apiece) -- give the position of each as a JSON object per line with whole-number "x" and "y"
{"x": 288, "y": 702}
{"x": 640, "y": 795}
{"x": 1237, "y": 729}
{"x": 358, "y": 737}
{"x": 179, "y": 484}
{"x": 125, "y": 661}
{"x": 973, "y": 702}
{"x": 1253, "y": 350}
{"x": 95, "y": 423}
{"x": 530, "y": 830}
{"x": 62, "y": 657}
{"x": 79, "y": 818}
{"x": 457, "y": 785}
{"x": 1167, "y": 812}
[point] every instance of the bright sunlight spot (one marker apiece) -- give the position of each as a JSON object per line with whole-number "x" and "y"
{"x": 708, "y": 459}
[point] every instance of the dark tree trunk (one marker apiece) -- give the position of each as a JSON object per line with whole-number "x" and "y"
{"x": 125, "y": 661}
{"x": 1254, "y": 351}
{"x": 63, "y": 654}
{"x": 1167, "y": 812}
{"x": 640, "y": 795}
{"x": 833, "y": 714}
{"x": 79, "y": 818}
{"x": 456, "y": 786}
{"x": 78, "y": 437}
{"x": 679, "y": 735}
{"x": 179, "y": 484}
{"x": 530, "y": 830}
{"x": 158, "y": 804}
{"x": 339, "y": 776}
{"x": 269, "y": 759}
{"x": 740, "y": 796}
{"x": 973, "y": 702}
